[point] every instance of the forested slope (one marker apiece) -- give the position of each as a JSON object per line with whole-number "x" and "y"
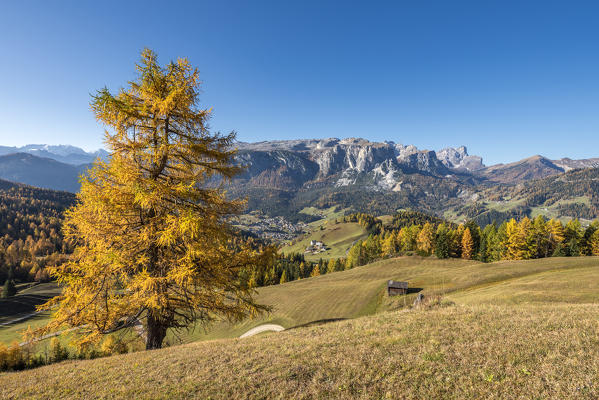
{"x": 30, "y": 228}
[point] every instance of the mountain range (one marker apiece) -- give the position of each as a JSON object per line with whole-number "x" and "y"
{"x": 283, "y": 177}
{"x": 64, "y": 153}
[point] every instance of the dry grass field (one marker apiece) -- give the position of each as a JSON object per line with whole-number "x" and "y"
{"x": 520, "y": 329}
{"x": 533, "y": 351}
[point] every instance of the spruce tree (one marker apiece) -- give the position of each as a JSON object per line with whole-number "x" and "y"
{"x": 442, "y": 242}
{"x": 9, "y": 289}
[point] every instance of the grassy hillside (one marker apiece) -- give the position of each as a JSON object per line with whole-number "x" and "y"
{"x": 580, "y": 285}
{"x": 25, "y": 301}
{"x": 361, "y": 291}
{"x": 475, "y": 344}
{"x": 337, "y": 237}
{"x": 23, "y": 306}
{"x": 483, "y": 351}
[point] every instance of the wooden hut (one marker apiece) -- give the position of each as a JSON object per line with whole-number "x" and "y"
{"x": 394, "y": 288}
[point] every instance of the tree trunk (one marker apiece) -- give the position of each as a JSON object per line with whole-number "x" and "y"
{"x": 155, "y": 333}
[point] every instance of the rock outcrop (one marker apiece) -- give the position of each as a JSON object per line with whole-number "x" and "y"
{"x": 459, "y": 159}
{"x": 344, "y": 161}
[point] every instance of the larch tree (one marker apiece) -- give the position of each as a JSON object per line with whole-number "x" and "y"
{"x": 283, "y": 277}
{"x": 426, "y": 239}
{"x": 594, "y": 243}
{"x": 331, "y": 266}
{"x": 555, "y": 235}
{"x": 150, "y": 226}
{"x": 388, "y": 245}
{"x": 467, "y": 245}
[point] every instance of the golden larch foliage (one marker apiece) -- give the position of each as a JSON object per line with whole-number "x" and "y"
{"x": 467, "y": 245}
{"x": 152, "y": 241}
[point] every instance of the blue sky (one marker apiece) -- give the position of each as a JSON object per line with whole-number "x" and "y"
{"x": 506, "y": 79}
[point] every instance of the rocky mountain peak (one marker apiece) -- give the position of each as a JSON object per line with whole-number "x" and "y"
{"x": 346, "y": 158}
{"x": 458, "y": 158}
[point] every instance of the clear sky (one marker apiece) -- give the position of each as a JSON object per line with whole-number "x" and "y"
{"x": 508, "y": 79}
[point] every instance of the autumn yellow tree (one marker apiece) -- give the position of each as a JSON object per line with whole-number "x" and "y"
{"x": 594, "y": 243}
{"x": 388, "y": 247}
{"x": 331, "y": 266}
{"x": 315, "y": 271}
{"x": 152, "y": 242}
{"x": 467, "y": 245}
{"x": 426, "y": 239}
{"x": 555, "y": 235}
{"x": 517, "y": 239}
{"x": 283, "y": 278}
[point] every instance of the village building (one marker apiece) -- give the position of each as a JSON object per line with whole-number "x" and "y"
{"x": 316, "y": 246}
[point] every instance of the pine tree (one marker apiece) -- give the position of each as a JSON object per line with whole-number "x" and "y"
{"x": 152, "y": 238}
{"x": 573, "y": 237}
{"x": 491, "y": 244}
{"x": 322, "y": 267}
{"x": 304, "y": 271}
{"x": 539, "y": 238}
{"x": 455, "y": 249}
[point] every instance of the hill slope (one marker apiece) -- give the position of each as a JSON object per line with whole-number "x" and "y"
{"x": 361, "y": 291}
{"x": 535, "y": 167}
{"x": 41, "y": 172}
{"x": 30, "y": 228}
{"x": 546, "y": 347}
{"x": 568, "y": 195}
{"x": 337, "y": 237}
{"x": 462, "y": 352}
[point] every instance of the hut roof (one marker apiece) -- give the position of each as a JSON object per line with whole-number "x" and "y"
{"x": 397, "y": 285}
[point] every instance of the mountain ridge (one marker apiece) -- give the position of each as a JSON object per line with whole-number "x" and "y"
{"x": 40, "y": 172}
{"x": 67, "y": 154}
{"x": 283, "y": 177}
